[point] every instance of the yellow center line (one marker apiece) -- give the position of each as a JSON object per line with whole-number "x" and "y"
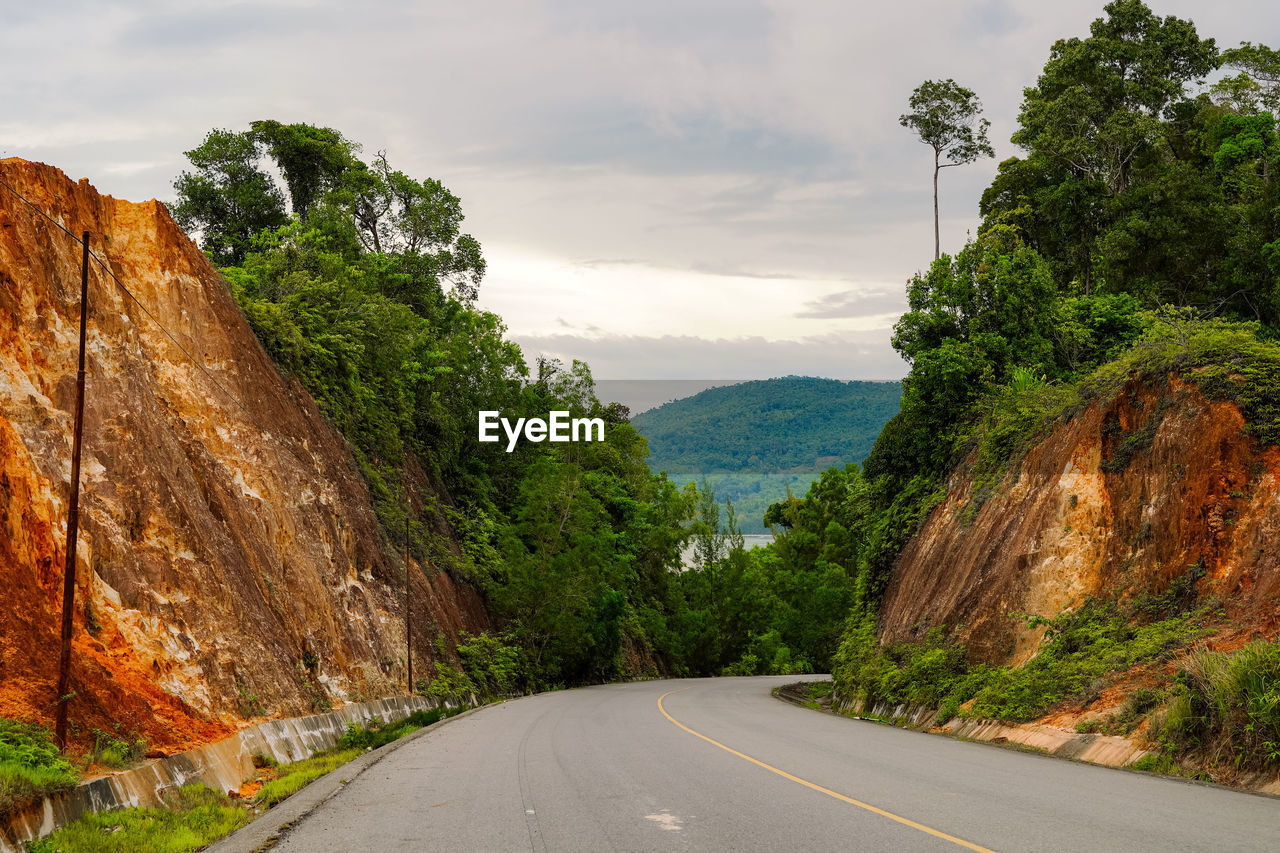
{"x": 968, "y": 845}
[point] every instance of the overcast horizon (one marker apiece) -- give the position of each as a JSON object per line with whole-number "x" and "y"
{"x": 666, "y": 190}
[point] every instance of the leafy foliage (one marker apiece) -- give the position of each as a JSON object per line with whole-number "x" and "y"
{"x": 948, "y": 118}
{"x": 1227, "y": 704}
{"x": 491, "y": 668}
{"x": 30, "y": 765}
{"x": 1129, "y": 185}
{"x": 366, "y": 295}
{"x": 229, "y": 197}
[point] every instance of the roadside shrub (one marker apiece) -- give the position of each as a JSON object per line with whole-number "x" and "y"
{"x": 925, "y": 672}
{"x": 118, "y": 752}
{"x": 493, "y": 664}
{"x": 768, "y": 654}
{"x": 30, "y": 765}
{"x": 450, "y": 684}
{"x": 1228, "y": 705}
{"x": 1079, "y": 648}
{"x": 377, "y": 735}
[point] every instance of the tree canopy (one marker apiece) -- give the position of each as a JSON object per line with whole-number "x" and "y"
{"x": 948, "y": 118}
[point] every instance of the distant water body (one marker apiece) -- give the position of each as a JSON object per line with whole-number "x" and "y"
{"x": 749, "y": 541}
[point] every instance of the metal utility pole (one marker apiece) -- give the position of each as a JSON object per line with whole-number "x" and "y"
{"x": 408, "y": 597}
{"x": 73, "y": 518}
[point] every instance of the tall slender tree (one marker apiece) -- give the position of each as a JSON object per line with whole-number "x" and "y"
{"x": 948, "y": 118}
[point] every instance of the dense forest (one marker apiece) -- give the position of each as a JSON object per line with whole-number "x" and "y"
{"x": 756, "y": 442}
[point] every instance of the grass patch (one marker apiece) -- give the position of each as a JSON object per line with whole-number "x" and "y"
{"x": 30, "y": 765}
{"x": 1226, "y": 705}
{"x": 377, "y": 735}
{"x": 293, "y": 777}
{"x": 195, "y": 816}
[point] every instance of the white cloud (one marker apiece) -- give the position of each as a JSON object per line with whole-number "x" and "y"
{"x": 743, "y": 158}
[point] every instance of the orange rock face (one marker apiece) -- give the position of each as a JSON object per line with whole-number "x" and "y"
{"x": 1063, "y": 526}
{"x": 229, "y": 561}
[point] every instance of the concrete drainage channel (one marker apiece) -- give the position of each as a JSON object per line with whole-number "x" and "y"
{"x": 223, "y": 766}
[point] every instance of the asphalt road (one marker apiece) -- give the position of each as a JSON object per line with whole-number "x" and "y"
{"x": 720, "y": 764}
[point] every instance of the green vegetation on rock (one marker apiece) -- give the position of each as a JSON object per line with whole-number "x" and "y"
{"x": 1080, "y": 648}
{"x": 1225, "y": 706}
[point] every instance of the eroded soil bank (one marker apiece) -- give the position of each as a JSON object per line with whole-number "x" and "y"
{"x": 231, "y": 566}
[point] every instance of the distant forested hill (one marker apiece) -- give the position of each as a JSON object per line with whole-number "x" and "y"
{"x": 768, "y": 426}
{"x": 754, "y": 440}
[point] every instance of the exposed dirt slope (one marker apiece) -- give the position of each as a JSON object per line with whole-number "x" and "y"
{"x": 230, "y": 561}
{"x": 1074, "y": 520}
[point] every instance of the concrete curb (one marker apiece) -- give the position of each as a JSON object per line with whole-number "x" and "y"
{"x": 267, "y": 830}
{"x": 1104, "y": 750}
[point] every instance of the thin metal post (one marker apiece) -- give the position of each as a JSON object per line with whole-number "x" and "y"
{"x": 73, "y": 519}
{"x": 408, "y": 597}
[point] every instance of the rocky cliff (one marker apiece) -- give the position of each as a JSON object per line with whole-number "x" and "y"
{"x": 230, "y": 563}
{"x": 1156, "y": 486}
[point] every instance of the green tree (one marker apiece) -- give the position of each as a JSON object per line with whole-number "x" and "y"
{"x": 948, "y": 118}
{"x": 1259, "y": 76}
{"x": 312, "y": 159}
{"x": 229, "y": 198}
{"x": 1095, "y": 124}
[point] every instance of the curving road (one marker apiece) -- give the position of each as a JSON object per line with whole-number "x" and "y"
{"x": 719, "y": 764}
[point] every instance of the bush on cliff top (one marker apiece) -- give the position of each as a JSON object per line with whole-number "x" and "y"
{"x": 30, "y": 765}
{"x": 1228, "y": 361}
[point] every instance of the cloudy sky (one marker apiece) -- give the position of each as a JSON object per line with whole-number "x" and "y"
{"x": 666, "y": 188}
